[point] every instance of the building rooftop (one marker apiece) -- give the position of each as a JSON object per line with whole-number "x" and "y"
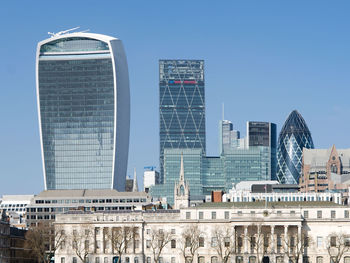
{"x": 261, "y": 204}
{"x": 88, "y": 193}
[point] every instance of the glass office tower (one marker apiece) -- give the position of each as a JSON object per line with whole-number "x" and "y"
{"x": 84, "y": 111}
{"x": 264, "y": 134}
{"x": 181, "y": 106}
{"x": 294, "y": 136}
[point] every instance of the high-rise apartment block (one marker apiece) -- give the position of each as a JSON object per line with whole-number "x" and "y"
{"x": 181, "y": 106}
{"x": 84, "y": 111}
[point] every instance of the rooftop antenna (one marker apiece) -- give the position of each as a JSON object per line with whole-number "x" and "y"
{"x": 52, "y": 34}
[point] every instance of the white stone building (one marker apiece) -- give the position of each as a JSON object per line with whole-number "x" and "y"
{"x": 279, "y": 227}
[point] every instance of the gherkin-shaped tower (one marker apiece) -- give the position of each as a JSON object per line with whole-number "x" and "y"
{"x": 294, "y": 136}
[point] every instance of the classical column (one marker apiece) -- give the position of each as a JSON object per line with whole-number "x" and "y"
{"x": 245, "y": 239}
{"x": 272, "y": 239}
{"x": 286, "y": 242}
{"x": 300, "y": 240}
{"x": 234, "y": 236}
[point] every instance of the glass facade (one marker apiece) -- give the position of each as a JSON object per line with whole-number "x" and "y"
{"x": 294, "y": 136}
{"x": 264, "y": 134}
{"x": 181, "y": 106}
{"x": 206, "y": 174}
{"x": 77, "y": 111}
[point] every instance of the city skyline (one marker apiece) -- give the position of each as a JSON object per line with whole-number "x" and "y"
{"x": 286, "y": 54}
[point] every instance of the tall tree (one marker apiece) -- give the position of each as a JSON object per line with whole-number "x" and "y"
{"x": 337, "y": 245}
{"x": 121, "y": 238}
{"x": 43, "y": 240}
{"x": 225, "y": 245}
{"x": 159, "y": 239}
{"x": 82, "y": 241}
{"x": 189, "y": 242}
{"x": 295, "y": 245}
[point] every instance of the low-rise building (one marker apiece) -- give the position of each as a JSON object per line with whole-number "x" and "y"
{"x": 46, "y": 205}
{"x": 4, "y": 238}
{"x": 325, "y": 170}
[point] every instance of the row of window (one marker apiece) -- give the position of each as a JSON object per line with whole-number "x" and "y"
{"x": 81, "y": 201}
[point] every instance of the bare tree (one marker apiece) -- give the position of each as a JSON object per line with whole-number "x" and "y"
{"x": 159, "y": 239}
{"x": 189, "y": 242}
{"x": 121, "y": 238}
{"x": 225, "y": 245}
{"x": 337, "y": 245}
{"x": 258, "y": 240}
{"x": 43, "y": 240}
{"x": 296, "y": 244}
{"x": 82, "y": 242}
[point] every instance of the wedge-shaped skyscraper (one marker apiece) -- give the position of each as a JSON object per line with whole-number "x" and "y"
{"x": 294, "y": 136}
{"x": 84, "y": 111}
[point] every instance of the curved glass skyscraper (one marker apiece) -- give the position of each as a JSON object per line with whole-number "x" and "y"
{"x": 84, "y": 111}
{"x": 294, "y": 136}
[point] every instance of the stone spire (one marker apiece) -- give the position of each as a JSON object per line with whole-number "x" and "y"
{"x": 134, "y": 186}
{"x": 182, "y": 170}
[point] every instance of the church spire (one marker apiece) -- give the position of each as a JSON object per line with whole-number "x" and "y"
{"x": 182, "y": 170}
{"x": 134, "y": 186}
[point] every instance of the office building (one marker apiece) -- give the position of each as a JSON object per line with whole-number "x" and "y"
{"x": 294, "y": 136}
{"x": 150, "y": 178}
{"x": 228, "y": 137}
{"x": 205, "y": 174}
{"x": 181, "y": 106}
{"x": 325, "y": 170}
{"x": 84, "y": 111}
{"x": 264, "y": 134}
{"x": 47, "y": 204}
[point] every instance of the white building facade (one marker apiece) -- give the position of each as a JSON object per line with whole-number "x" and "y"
{"x": 248, "y": 232}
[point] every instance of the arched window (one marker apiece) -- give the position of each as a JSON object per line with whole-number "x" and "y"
{"x": 214, "y": 259}
{"x": 201, "y": 260}
{"x": 346, "y": 260}
{"x": 334, "y": 168}
{"x": 252, "y": 259}
{"x": 319, "y": 260}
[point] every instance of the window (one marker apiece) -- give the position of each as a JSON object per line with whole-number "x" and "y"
{"x": 97, "y": 260}
{"x": 148, "y": 231}
{"x": 201, "y": 241}
{"x": 239, "y": 259}
{"x": 127, "y": 260}
{"x": 105, "y": 260}
{"x": 227, "y": 214}
{"x": 319, "y": 260}
{"x": 213, "y": 215}
{"x": 63, "y": 260}
{"x": 214, "y": 241}
{"x": 160, "y": 260}
{"x": 252, "y": 213}
{"x": 346, "y": 213}
{"x": 333, "y": 241}
{"x": 214, "y": 260}
{"x": 136, "y": 260}
{"x": 279, "y": 213}
{"x": 200, "y": 215}
{"x": 172, "y": 260}
{"x": 173, "y": 243}
{"x": 188, "y": 242}
{"x": 227, "y": 242}
{"x": 188, "y": 215}
{"x": 148, "y": 243}
{"x": 319, "y": 241}
{"x": 239, "y": 213}
{"x": 279, "y": 259}
{"x": 346, "y": 260}
{"x": 252, "y": 259}
{"x": 306, "y": 259}
{"x": 347, "y": 241}
{"x": 333, "y": 214}
{"x": 306, "y": 214}
{"x": 75, "y": 260}
{"x": 292, "y": 213}
{"x": 63, "y": 244}
{"x": 173, "y": 231}
{"x": 319, "y": 214}
{"x": 201, "y": 260}
{"x": 148, "y": 260}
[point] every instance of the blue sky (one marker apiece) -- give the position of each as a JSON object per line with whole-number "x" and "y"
{"x": 262, "y": 59}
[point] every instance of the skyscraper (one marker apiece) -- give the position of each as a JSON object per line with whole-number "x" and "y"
{"x": 84, "y": 111}
{"x": 264, "y": 134}
{"x": 294, "y": 136}
{"x": 228, "y": 137}
{"x": 181, "y": 106}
